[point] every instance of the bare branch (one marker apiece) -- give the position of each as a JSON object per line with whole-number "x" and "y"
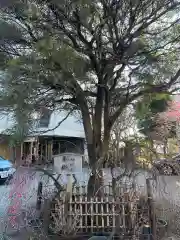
{"x": 59, "y": 123}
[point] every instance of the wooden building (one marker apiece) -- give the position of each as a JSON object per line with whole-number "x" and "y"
{"x": 49, "y": 139}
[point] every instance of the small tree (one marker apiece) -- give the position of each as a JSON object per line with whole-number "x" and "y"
{"x": 150, "y": 115}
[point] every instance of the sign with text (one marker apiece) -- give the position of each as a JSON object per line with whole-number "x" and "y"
{"x": 68, "y": 162}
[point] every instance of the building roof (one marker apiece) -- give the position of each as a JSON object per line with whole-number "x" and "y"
{"x": 71, "y": 127}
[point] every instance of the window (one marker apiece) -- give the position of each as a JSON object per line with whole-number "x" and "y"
{"x": 72, "y": 145}
{"x": 45, "y": 119}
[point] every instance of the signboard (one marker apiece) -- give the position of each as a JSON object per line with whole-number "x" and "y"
{"x": 30, "y": 139}
{"x": 68, "y": 162}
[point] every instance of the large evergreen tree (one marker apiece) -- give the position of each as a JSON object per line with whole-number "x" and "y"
{"x": 95, "y": 56}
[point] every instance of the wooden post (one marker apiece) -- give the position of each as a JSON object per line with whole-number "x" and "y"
{"x": 151, "y": 210}
{"x": 59, "y": 148}
{"x": 39, "y": 196}
{"x": 31, "y": 151}
{"x": 46, "y": 151}
{"x": 67, "y": 199}
{"x": 69, "y": 186}
{"x": 20, "y": 160}
{"x": 50, "y": 146}
{"x": 41, "y": 151}
{"x": 37, "y": 152}
{"x": 13, "y": 154}
{"x": 21, "y": 152}
{"x": 51, "y": 155}
{"x": 46, "y": 215}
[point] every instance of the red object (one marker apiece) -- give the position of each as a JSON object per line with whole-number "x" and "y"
{"x": 173, "y": 113}
{"x": 20, "y": 185}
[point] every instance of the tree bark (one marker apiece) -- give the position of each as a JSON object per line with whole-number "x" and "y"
{"x": 96, "y": 179}
{"x": 96, "y": 146}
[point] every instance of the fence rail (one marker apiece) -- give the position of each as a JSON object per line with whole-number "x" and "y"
{"x": 76, "y": 213}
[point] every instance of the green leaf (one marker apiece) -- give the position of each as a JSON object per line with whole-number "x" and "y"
{"x": 10, "y": 31}
{"x": 147, "y": 108}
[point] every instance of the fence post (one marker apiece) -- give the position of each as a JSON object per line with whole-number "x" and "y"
{"x": 151, "y": 210}
{"x": 46, "y": 215}
{"x": 68, "y": 199}
{"x": 39, "y": 196}
{"x": 69, "y": 186}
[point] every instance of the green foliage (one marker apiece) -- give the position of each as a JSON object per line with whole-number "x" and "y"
{"x": 11, "y": 32}
{"x": 158, "y": 105}
{"x": 147, "y": 109}
{"x": 88, "y": 55}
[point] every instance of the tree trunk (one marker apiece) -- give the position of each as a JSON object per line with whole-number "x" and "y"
{"x": 129, "y": 158}
{"x": 96, "y": 146}
{"x": 96, "y": 184}
{"x": 96, "y": 179}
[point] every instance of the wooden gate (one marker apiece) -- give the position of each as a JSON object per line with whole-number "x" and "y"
{"x": 76, "y": 213}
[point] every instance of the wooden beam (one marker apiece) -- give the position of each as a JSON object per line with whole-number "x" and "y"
{"x": 51, "y": 150}
{"x": 59, "y": 147}
{"x": 46, "y": 150}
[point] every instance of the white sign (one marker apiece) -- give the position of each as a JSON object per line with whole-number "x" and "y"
{"x": 30, "y": 139}
{"x": 68, "y": 162}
